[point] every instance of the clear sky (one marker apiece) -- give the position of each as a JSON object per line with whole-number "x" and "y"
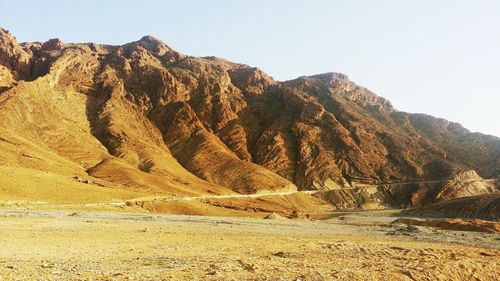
{"x": 440, "y": 57}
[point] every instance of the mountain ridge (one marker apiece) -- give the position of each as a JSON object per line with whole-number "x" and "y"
{"x": 144, "y": 116}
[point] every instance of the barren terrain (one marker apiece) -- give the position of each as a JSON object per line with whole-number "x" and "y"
{"x": 110, "y": 245}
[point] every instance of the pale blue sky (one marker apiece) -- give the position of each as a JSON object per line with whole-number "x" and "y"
{"x": 440, "y": 57}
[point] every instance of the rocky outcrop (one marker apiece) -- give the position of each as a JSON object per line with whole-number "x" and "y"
{"x": 454, "y": 224}
{"x": 465, "y": 184}
{"x": 14, "y": 57}
{"x": 485, "y": 206}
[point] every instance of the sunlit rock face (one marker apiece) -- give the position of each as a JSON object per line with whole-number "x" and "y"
{"x": 144, "y": 115}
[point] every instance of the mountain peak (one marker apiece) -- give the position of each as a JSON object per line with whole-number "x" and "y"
{"x": 13, "y": 56}
{"x": 6, "y": 37}
{"x": 330, "y": 76}
{"x": 53, "y": 44}
{"x": 151, "y": 39}
{"x": 155, "y": 46}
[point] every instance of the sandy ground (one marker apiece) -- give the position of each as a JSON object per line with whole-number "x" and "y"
{"x": 90, "y": 245}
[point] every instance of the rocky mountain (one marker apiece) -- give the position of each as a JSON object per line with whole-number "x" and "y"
{"x": 146, "y": 117}
{"x": 481, "y": 206}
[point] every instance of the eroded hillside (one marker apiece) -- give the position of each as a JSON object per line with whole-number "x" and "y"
{"x": 145, "y": 117}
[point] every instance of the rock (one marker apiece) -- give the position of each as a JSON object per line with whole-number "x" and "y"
{"x": 404, "y": 230}
{"x": 486, "y": 207}
{"x": 53, "y": 45}
{"x": 247, "y": 266}
{"x": 280, "y": 254}
{"x": 14, "y": 57}
{"x": 296, "y": 215}
{"x": 463, "y": 184}
{"x": 274, "y": 216}
{"x": 453, "y": 224}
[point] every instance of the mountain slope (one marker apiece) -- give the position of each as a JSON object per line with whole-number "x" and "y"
{"x": 145, "y": 117}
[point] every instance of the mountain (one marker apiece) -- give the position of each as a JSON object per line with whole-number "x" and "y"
{"x": 145, "y": 118}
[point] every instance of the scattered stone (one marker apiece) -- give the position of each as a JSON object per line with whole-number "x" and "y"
{"x": 274, "y": 216}
{"x": 280, "y": 254}
{"x": 212, "y": 272}
{"x": 404, "y": 230}
{"x": 247, "y": 266}
{"x": 296, "y": 215}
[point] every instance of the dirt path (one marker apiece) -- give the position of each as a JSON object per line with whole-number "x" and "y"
{"x": 58, "y": 245}
{"x": 258, "y": 195}
{"x": 201, "y": 197}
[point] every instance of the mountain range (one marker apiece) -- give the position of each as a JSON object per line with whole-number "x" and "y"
{"x": 144, "y": 118}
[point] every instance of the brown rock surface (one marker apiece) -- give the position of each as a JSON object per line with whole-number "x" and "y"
{"x": 465, "y": 184}
{"x": 142, "y": 116}
{"x": 485, "y": 206}
{"x": 454, "y": 224}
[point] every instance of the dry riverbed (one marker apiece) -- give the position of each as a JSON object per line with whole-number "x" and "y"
{"x": 90, "y": 245}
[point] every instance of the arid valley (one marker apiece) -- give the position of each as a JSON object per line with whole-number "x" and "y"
{"x": 138, "y": 162}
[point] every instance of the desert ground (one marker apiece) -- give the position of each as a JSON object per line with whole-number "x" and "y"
{"x": 126, "y": 243}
